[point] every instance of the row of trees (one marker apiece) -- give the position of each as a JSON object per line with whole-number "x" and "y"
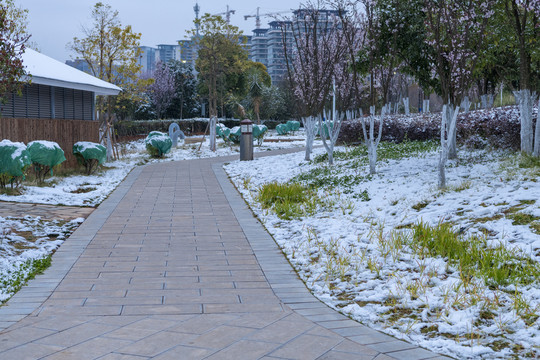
{"x": 223, "y": 76}
{"x": 446, "y": 46}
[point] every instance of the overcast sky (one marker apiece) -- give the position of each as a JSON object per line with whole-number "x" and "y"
{"x": 54, "y": 23}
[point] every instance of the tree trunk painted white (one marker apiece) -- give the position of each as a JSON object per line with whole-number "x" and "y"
{"x": 310, "y": 127}
{"x": 487, "y": 101}
{"x": 465, "y": 104}
{"x": 110, "y": 154}
{"x": 371, "y": 142}
{"x": 448, "y": 126}
{"x": 483, "y": 100}
{"x": 450, "y": 111}
{"x": 406, "y": 105}
{"x": 333, "y": 133}
{"x": 425, "y": 106}
{"x": 536, "y": 151}
{"x": 525, "y": 101}
{"x": 444, "y": 151}
{"x": 212, "y": 126}
{"x": 490, "y": 100}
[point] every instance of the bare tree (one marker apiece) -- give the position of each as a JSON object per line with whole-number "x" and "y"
{"x": 331, "y": 130}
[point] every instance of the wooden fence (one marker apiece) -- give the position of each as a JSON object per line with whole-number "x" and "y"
{"x": 64, "y": 132}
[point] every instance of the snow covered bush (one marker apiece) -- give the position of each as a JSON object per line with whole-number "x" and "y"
{"x": 258, "y": 133}
{"x": 14, "y": 161}
{"x": 90, "y": 155}
{"x": 45, "y": 155}
{"x": 223, "y": 132}
{"x": 158, "y": 143}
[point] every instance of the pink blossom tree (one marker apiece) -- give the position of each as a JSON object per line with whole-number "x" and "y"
{"x": 455, "y": 31}
{"x": 315, "y": 54}
{"x": 162, "y": 91}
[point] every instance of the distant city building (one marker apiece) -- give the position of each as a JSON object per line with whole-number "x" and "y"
{"x": 267, "y": 44}
{"x": 188, "y": 52}
{"x": 267, "y": 48}
{"x": 79, "y": 64}
{"x": 147, "y": 59}
{"x": 167, "y": 53}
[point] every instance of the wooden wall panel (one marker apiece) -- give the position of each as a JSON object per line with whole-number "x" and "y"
{"x": 64, "y": 132}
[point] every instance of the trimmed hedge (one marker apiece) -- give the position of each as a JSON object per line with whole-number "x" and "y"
{"x": 190, "y": 127}
{"x": 498, "y": 127}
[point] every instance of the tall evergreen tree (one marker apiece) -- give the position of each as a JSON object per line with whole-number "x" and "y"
{"x": 185, "y": 102}
{"x": 220, "y": 57}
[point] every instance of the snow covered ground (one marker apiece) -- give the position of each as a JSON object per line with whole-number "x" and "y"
{"x": 26, "y": 240}
{"x": 355, "y": 251}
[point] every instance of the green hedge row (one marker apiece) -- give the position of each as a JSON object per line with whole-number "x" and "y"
{"x": 188, "y": 126}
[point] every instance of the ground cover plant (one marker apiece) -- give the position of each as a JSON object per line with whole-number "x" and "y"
{"x": 453, "y": 270}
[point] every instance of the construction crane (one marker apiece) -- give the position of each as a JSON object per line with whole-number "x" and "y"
{"x": 227, "y": 14}
{"x": 257, "y": 16}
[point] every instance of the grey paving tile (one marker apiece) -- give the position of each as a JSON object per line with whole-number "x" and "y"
{"x": 244, "y": 349}
{"x": 411, "y": 354}
{"x": 157, "y": 344}
{"x": 91, "y": 349}
{"x": 309, "y": 346}
{"x": 389, "y": 346}
{"x": 29, "y": 351}
{"x": 221, "y": 337}
{"x": 184, "y": 352}
{"x": 337, "y": 355}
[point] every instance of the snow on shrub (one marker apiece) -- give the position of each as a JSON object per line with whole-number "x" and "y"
{"x": 14, "y": 160}
{"x": 158, "y": 143}
{"x": 45, "y": 155}
{"x": 90, "y": 155}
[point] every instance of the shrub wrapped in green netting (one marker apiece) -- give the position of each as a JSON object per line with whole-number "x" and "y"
{"x": 325, "y": 126}
{"x": 158, "y": 143}
{"x": 90, "y": 155}
{"x": 45, "y": 155}
{"x": 282, "y": 129}
{"x": 235, "y": 134}
{"x": 223, "y": 132}
{"x": 14, "y": 160}
{"x": 258, "y": 132}
{"x": 293, "y": 125}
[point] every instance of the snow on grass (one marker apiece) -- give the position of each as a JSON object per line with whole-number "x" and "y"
{"x": 24, "y": 244}
{"x": 353, "y": 243}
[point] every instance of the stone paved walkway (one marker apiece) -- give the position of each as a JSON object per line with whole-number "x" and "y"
{"x": 173, "y": 265}
{"x": 48, "y": 212}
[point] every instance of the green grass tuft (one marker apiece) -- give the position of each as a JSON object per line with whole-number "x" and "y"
{"x": 498, "y": 266}
{"x": 287, "y": 200}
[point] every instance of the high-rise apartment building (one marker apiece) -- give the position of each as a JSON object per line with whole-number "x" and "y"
{"x": 168, "y": 52}
{"x": 267, "y": 44}
{"x": 147, "y": 59}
